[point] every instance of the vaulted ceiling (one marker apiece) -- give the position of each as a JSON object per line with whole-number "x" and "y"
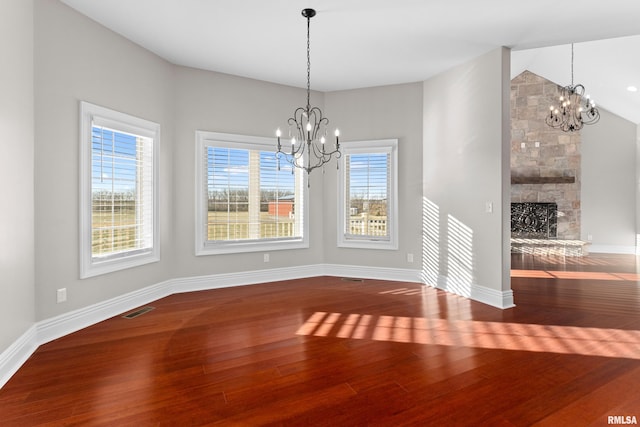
{"x": 362, "y": 43}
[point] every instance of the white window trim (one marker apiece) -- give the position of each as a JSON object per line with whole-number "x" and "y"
{"x": 205, "y": 247}
{"x": 373, "y": 146}
{"x": 91, "y": 114}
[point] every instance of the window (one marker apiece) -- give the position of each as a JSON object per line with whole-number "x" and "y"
{"x": 118, "y": 191}
{"x": 367, "y": 207}
{"x": 247, "y": 200}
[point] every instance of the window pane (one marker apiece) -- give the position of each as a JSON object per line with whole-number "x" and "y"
{"x": 227, "y": 186}
{"x": 121, "y": 192}
{"x": 277, "y": 198}
{"x": 251, "y": 196}
{"x": 367, "y": 194}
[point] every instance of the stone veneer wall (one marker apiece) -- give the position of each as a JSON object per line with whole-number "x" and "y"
{"x": 547, "y": 152}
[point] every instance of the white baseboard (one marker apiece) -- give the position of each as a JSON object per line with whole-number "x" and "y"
{"x": 612, "y": 249}
{"x": 226, "y": 280}
{"x": 50, "y": 329}
{"x": 18, "y": 352}
{"x": 379, "y": 273}
{"x": 476, "y": 292}
{"x": 493, "y": 297}
{"x": 66, "y": 323}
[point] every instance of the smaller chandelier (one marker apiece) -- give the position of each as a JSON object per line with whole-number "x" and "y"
{"x": 308, "y": 128}
{"x": 574, "y": 109}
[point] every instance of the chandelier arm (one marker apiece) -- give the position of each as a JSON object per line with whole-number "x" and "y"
{"x": 579, "y": 90}
{"x": 296, "y": 121}
{"x": 318, "y": 121}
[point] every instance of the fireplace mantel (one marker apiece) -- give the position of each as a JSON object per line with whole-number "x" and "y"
{"x": 543, "y": 179}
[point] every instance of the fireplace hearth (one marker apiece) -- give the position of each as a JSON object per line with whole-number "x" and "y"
{"x": 534, "y": 220}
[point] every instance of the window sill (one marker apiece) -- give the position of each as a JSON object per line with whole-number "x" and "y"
{"x": 369, "y": 244}
{"x": 98, "y": 268}
{"x": 249, "y": 246}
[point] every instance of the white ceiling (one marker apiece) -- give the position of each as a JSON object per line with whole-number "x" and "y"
{"x": 362, "y": 43}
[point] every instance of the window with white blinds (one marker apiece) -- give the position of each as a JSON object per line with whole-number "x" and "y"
{"x": 118, "y": 191}
{"x": 248, "y": 200}
{"x": 367, "y": 195}
{"x": 368, "y": 207}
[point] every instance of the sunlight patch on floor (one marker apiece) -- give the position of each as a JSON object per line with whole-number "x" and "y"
{"x": 403, "y": 291}
{"x": 603, "y": 342}
{"x": 576, "y": 275}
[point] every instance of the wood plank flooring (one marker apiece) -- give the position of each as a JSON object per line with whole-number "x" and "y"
{"x": 332, "y": 352}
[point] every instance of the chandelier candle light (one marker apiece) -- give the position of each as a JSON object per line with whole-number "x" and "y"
{"x": 574, "y": 109}
{"x": 308, "y": 128}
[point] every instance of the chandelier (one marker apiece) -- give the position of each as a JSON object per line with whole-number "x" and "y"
{"x": 574, "y": 109}
{"x": 308, "y": 128}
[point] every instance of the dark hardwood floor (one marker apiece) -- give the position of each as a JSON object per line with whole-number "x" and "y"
{"x": 328, "y": 351}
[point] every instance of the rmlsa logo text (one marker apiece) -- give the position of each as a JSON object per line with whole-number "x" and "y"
{"x": 622, "y": 419}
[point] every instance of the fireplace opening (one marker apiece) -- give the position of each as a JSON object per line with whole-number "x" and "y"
{"x": 534, "y": 220}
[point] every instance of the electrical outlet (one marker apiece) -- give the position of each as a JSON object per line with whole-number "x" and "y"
{"x": 266, "y": 257}
{"x": 61, "y": 295}
{"x": 409, "y": 257}
{"x": 590, "y": 237}
{"x": 488, "y": 207}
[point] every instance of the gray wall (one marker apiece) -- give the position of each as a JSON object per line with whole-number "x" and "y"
{"x": 224, "y": 103}
{"x": 77, "y": 59}
{"x": 16, "y": 170}
{"x": 465, "y": 166}
{"x": 387, "y": 112}
{"x": 609, "y": 184}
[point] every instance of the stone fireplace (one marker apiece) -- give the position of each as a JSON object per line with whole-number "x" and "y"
{"x": 545, "y": 162}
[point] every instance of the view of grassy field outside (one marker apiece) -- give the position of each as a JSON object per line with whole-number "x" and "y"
{"x": 116, "y": 231}
{"x": 122, "y": 192}
{"x": 113, "y": 228}
{"x": 236, "y": 210}
{"x": 250, "y": 195}
{"x": 236, "y": 226}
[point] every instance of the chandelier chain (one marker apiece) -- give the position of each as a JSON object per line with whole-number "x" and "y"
{"x": 308, "y": 64}
{"x": 571, "y": 64}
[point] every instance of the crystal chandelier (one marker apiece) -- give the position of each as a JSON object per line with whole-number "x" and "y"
{"x": 574, "y": 109}
{"x": 308, "y": 128}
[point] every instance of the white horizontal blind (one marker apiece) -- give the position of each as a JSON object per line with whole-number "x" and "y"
{"x": 367, "y": 195}
{"x": 122, "y": 193}
{"x": 250, "y": 195}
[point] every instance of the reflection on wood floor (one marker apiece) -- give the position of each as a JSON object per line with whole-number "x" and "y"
{"x": 325, "y": 351}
